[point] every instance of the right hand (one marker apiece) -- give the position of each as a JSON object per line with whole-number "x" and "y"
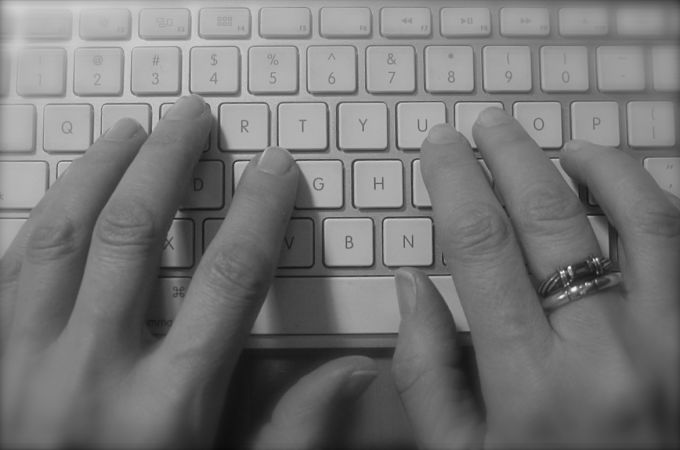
{"x": 603, "y": 370}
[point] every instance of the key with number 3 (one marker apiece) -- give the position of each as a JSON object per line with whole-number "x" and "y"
{"x": 156, "y": 70}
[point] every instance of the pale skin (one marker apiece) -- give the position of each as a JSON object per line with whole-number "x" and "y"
{"x": 79, "y": 368}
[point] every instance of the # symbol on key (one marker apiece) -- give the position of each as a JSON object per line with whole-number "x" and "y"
{"x": 273, "y": 60}
{"x": 97, "y": 60}
{"x": 156, "y": 60}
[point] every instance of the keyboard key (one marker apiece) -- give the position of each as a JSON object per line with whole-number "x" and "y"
{"x": 303, "y": 126}
{"x": 507, "y": 69}
{"x": 466, "y": 114}
{"x": 164, "y": 23}
{"x": 5, "y": 72}
{"x": 156, "y": 71}
{"x": 358, "y": 304}
{"x": 569, "y": 180}
{"x": 362, "y": 126}
{"x": 378, "y": 184}
{"x": 62, "y": 167}
{"x": 449, "y": 69}
{"x": 564, "y": 69}
{"x": 215, "y": 70}
{"x": 408, "y": 242}
{"x": 348, "y": 242}
{"x": 414, "y": 120}
{"x": 542, "y": 120}
{"x": 165, "y": 305}
{"x": 207, "y": 187}
{"x": 578, "y": 22}
{"x": 46, "y": 24}
{"x": 98, "y": 71}
{"x": 17, "y": 128}
{"x": 22, "y": 183}
{"x": 178, "y": 245}
{"x": 224, "y": 23}
{"x": 600, "y": 227}
{"x": 112, "y": 113}
{"x": 67, "y": 128}
{"x": 41, "y": 72}
{"x": 390, "y": 69}
{"x": 405, "y": 22}
{"x": 321, "y": 185}
{"x": 651, "y": 124}
{"x": 597, "y": 122}
{"x": 640, "y": 22}
{"x": 285, "y": 22}
{"x": 465, "y": 22}
{"x": 620, "y": 69}
{"x": 244, "y": 126}
{"x": 9, "y": 228}
{"x": 345, "y": 22}
{"x": 105, "y": 24}
{"x": 666, "y": 172}
{"x": 666, "y": 68}
{"x": 421, "y": 198}
{"x": 298, "y": 244}
{"x": 525, "y": 22}
{"x": 331, "y": 70}
{"x": 273, "y": 70}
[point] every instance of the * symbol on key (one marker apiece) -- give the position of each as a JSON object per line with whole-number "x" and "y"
{"x": 273, "y": 60}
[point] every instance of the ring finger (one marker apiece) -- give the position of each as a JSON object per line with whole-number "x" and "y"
{"x": 548, "y": 218}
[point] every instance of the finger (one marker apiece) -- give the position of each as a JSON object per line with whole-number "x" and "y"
{"x": 234, "y": 275}
{"x": 306, "y": 416}
{"x": 58, "y": 234}
{"x": 426, "y": 368}
{"x": 548, "y": 218}
{"x": 126, "y": 243}
{"x": 645, "y": 218}
{"x": 499, "y": 301}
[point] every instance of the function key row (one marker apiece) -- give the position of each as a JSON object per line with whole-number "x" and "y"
{"x": 344, "y": 22}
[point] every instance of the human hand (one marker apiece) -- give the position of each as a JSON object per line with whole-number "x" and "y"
{"x": 79, "y": 368}
{"x": 603, "y": 370}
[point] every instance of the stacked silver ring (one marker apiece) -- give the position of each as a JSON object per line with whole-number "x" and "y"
{"x": 575, "y": 281}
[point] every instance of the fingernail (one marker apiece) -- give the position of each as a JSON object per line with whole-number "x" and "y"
{"x": 187, "y": 107}
{"x": 275, "y": 160}
{"x": 573, "y": 146}
{"x": 493, "y": 116}
{"x": 122, "y": 130}
{"x": 443, "y": 134}
{"x": 406, "y": 292}
{"x": 357, "y": 382}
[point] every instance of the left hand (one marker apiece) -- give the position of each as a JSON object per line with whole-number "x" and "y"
{"x": 79, "y": 368}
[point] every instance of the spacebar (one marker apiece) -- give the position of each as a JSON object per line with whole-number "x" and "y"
{"x": 341, "y": 305}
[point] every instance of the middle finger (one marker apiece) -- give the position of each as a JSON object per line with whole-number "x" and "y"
{"x": 126, "y": 244}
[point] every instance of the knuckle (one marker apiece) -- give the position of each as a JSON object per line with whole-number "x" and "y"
{"x": 478, "y": 230}
{"x": 53, "y": 238}
{"x": 241, "y": 271}
{"x": 655, "y": 217}
{"x": 125, "y": 224}
{"x": 547, "y": 208}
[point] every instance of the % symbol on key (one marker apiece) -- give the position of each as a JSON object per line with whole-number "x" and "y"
{"x": 273, "y": 60}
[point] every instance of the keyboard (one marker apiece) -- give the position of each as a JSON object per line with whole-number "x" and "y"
{"x": 351, "y": 88}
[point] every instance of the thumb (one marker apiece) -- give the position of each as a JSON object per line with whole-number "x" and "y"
{"x": 303, "y": 417}
{"x": 425, "y": 368}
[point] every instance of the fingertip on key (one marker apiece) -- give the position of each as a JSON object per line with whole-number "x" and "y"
{"x": 443, "y": 134}
{"x": 187, "y": 107}
{"x": 275, "y": 161}
{"x": 491, "y": 117}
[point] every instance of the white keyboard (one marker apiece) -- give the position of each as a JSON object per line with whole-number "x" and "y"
{"x": 351, "y": 88}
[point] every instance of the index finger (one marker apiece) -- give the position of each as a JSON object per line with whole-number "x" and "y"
{"x": 234, "y": 275}
{"x": 486, "y": 262}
